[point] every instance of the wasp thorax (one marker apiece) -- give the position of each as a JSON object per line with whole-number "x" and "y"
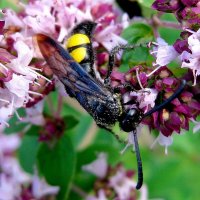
{"x": 130, "y": 119}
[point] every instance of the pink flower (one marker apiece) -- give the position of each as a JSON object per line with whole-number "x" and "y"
{"x": 164, "y": 141}
{"x": 34, "y": 114}
{"x": 19, "y": 87}
{"x": 196, "y": 128}
{"x": 9, "y": 143}
{"x": 164, "y": 53}
{"x": 9, "y": 190}
{"x": 21, "y": 63}
{"x": 11, "y": 167}
{"x": 122, "y": 184}
{"x": 192, "y": 59}
{"x": 39, "y": 18}
{"x": 6, "y": 106}
{"x": 11, "y": 19}
{"x": 113, "y": 182}
{"x": 109, "y": 39}
{"x": 98, "y": 167}
{"x": 40, "y": 188}
{"x": 146, "y": 97}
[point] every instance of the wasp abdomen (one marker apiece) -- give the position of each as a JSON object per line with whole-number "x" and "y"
{"x": 80, "y": 47}
{"x": 77, "y": 46}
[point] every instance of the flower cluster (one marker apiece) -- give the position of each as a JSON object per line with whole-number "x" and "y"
{"x": 186, "y": 11}
{"x": 187, "y": 48}
{"x": 187, "y": 51}
{"x": 15, "y": 183}
{"x": 113, "y": 182}
{"x": 24, "y": 77}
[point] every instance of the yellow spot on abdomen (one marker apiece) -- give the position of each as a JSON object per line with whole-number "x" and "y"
{"x": 79, "y": 54}
{"x": 77, "y": 39}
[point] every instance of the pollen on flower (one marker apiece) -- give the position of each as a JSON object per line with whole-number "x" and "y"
{"x": 165, "y": 115}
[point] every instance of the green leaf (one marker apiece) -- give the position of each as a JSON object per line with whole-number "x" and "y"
{"x": 170, "y": 35}
{"x": 27, "y": 153}
{"x": 8, "y": 4}
{"x": 146, "y": 3}
{"x": 176, "y": 70}
{"x": 134, "y": 57}
{"x": 81, "y": 130}
{"x": 15, "y": 125}
{"x": 70, "y": 121}
{"x": 85, "y": 180}
{"x": 138, "y": 33}
{"x": 57, "y": 164}
{"x": 90, "y": 154}
{"x": 33, "y": 131}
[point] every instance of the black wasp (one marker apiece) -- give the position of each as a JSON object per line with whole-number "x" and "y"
{"x": 74, "y": 68}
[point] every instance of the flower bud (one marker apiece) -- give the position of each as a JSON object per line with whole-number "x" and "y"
{"x": 166, "y": 5}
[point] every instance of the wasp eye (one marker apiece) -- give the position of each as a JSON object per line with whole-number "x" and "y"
{"x": 130, "y": 119}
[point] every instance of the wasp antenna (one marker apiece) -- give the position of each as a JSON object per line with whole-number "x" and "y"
{"x": 139, "y": 162}
{"x": 162, "y": 105}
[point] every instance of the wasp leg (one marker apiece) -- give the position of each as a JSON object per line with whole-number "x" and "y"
{"x": 111, "y": 61}
{"x": 162, "y": 105}
{"x": 126, "y": 86}
{"x": 129, "y": 88}
{"x": 112, "y": 132}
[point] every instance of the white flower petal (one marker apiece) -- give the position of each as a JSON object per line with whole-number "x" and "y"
{"x": 98, "y": 167}
{"x": 40, "y": 188}
{"x": 9, "y": 143}
{"x": 122, "y": 184}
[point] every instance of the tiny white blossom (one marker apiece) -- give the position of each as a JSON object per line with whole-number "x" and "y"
{"x": 164, "y": 53}
{"x": 40, "y": 188}
{"x": 9, "y": 189}
{"x": 6, "y": 109}
{"x": 192, "y": 61}
{"x": 196, "y": 128}
{"x": 98, "y": 167}
{"x": 11, "y": 167}
{"x": 11, "y": 19}
{"x": 193, "y": 64}
{"x": 39, "y": 17}
{"x": 109, "y": 39}
{"x": 18, "y": 85}
{"x": 34, "y": 114}
{"x": 164, "y": 141}
{"x": 9, "y": 143}
{"x": 194, "y": 43}
{"x": 122, "y": 184}
{"x": 24, "y": 57}
{"x": 146, "y": 97}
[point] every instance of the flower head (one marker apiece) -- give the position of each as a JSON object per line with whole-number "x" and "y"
{"x": 164, "y": 53}
{"x": 23, "y": 75}
{"x": 191, "y": 59}
{"x": 166, "y": 5}
{"x": 116, "y": 183}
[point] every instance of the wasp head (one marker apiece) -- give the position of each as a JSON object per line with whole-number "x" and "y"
{"x": 130, "y": 119}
